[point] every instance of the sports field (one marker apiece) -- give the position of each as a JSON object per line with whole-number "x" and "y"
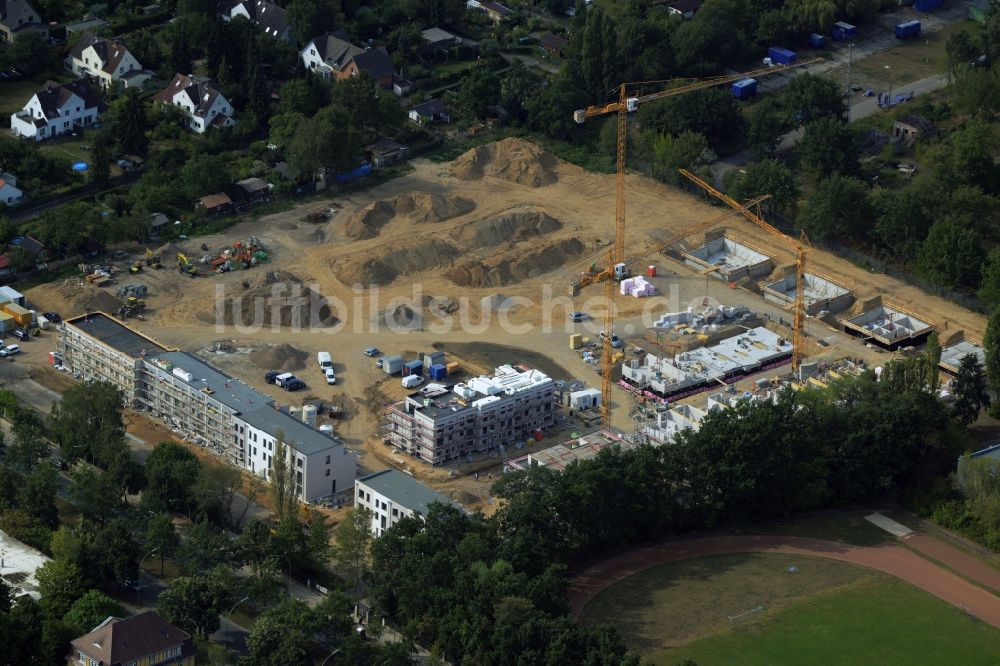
{"x": 823, "y": 612}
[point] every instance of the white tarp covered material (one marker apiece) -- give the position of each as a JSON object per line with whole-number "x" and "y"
{"x": 18, "y": 563}
{"x": 888, "y": 524}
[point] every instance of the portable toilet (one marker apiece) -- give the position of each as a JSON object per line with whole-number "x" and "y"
{"x": 415, "y": 367}
{"x": 817, "y": 41}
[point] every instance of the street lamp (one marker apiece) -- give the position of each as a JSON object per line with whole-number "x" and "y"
{"x": 186, "y": 504}
{"x": 138, "y": 586}
{"x": 329, "y": 655}
{"x": 888, "y": 77}
{"x": 229, "y": 618}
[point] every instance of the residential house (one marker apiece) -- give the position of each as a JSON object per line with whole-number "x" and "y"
{"x": 10, "y": 195}
{"x": 254, "y": 189}
{"x": 145, "y": 639}
{"x": 105, "y": 60}
{"x": 437, "y": 37}
{"x": 496, "y": 11}
{"x": 214, "y": 204}
{"x": 553, "y": 44}
{"x": 391, "y": 495}
{"x": 333, "y": 57}
{"x": 431, "y": 111}
{"x": 57, "y": 109}
{"x": 684, "y": 8}
{"x": 911, "y": 127}
{"x": 201, "y": 100}
{"x": 18, "y": 18}
{"x": 267, "y": 16}
{"x": 32, "y": 246}
{"x": 385, "y": 152}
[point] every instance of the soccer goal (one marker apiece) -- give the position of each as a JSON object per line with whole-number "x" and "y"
{"x": 745, "y": 615}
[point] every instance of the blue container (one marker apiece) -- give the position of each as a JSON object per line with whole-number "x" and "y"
{"x": 781, "y": 56}
{"x": 817, "y": 41}
{"x": 907, "y": 30}
{"x": 439, "y": 371}
{"x": 926, "y": 5}
{"x": 413, "y": 368}
{"x": 745, "y": 88}
{"x": 844, "y": 30}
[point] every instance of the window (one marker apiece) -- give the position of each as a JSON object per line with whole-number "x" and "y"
{"x": 395, "y": 512}
{"x": 328, "y": 471}
{"x": 328, "y": 460}
{"x": 298, "y": 463}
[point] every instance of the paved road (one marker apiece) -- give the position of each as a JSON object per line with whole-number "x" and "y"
{"x": 895, "y": 560}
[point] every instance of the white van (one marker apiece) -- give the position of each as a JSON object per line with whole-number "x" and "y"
{"x": 324, "y": 360}
{"x": 409, "y": 381}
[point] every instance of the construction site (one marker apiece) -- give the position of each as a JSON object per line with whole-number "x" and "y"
{"x": 433, "y": 248}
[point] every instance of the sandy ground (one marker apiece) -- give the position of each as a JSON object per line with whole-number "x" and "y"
{"x": 535, "y": 225}
{"x": 891, "y": 559}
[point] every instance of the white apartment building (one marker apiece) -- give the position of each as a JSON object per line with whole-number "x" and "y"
{"x": 57, "y": 109}
{"x": 489, "y": 412}
{"x": 391, "y": 496}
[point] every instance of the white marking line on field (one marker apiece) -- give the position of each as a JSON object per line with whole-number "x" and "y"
{"x": 889, "y": 525}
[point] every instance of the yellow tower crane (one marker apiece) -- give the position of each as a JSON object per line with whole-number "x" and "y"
{"x": 629, "y": 101}
{"x": 802, "y": 250}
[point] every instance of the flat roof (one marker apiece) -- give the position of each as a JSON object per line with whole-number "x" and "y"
{"x": 110, "y": 331}
{"x": 297, "y": 434}
{"x": 19, "y": 564}
{"x": 952, "y": 356}
{"x": 233, "y": 393}
{"x": 404, "y": 490}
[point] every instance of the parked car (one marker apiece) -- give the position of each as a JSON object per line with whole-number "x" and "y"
{"x": 52, "y": 316}
{"x": 331, "y": 378}
{"x": 271, "y": 376}
{"x": 294, "y": 385}
{"x": 59, "y": 464}
{"x": 372, "y": 351}
{"x": 283, "y": 379}
{"x": 616, "y": 342}
{"x": 378, "y": 363}
{"x": 10, "y": 350}
{"x": 577, "y": 316}
{"x": 20, "y": 334}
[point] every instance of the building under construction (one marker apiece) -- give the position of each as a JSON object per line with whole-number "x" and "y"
{"x": 558, "y": 457}
{"x": 489, "y": 412}
{"x": 887, "y": 326}
{"x": 728, "y": 259}
{"x": 674, "y": 377}
{"x": 821, "y": 294}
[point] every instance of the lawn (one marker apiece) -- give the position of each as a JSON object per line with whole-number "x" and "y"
{"x": 846, "y": 526}
{"x": 678, "y": 602}
{"x": 68, "y": 149}
{"x": 880, "y": 620}
{"x": 13, "y": 96}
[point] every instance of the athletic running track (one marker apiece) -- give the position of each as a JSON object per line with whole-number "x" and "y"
{"x": 892, "y": 559}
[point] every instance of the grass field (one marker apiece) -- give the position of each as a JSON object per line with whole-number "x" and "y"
{"x": 879, "y": 620}
{"x": 846, "y": 526}
{"x": 13, "y": 96}
{"x": 667, "y": 605}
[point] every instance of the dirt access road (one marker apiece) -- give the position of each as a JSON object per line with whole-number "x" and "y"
{"x": 894, "y": 560}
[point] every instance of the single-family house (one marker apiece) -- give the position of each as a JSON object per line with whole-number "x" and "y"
{"x": 214, "y": 204}
{"x": 267, "y": 16}
{"x": 10, "y": 195}
{"x": 18, "y": 18}
{"x": 391, "y": 495}
{"x": 553, "y": 44}
{"x": 200, "y": 98}
{"x": 431, "y": 111}
{"x": 254, "y": 189}
{"x": 32, "y": 246}
{"x": 911, "y": 127}
{"x": 385, "y": 152}
{"x": 57, "y": 109}
{"x": 333, "y": 57}
{"x": 496, "y": 11}
{"x": 145, "y": 639}
{"x": 684, "y": 8}
{"x": 105, "y": 60}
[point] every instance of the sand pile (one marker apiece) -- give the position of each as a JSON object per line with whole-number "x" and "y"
{"x": 280, "y": 357}
{"x": 477, "y": 274}
{"x": 367, "y": 221}
{"x": 269, "y": 278}
{"x": 514, "y": 160}
{"x": 426, "y": 207}
{"x": 513, "y": 225}
{"x": 70, "y": 298}
{"x": 383, "y": 267}
{"x": 272, "y": 304}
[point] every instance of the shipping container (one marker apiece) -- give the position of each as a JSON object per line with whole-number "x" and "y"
{"x": 781, "y": 56}
{"x": 413, "y": 368}
{"x": 907, "y": 30}
{"x": 7, "y": 323}
{"x": 926, "y": 5}
{"x": 20, "y": 315}
{"x": 433, "y": 358}
{"x": 844, "y": 30}
{"x": 817, "y": 41}
{"x": 392, "y": 364}
{"x": 439, "y": 371}
{"x": 742, "y": 89}
{"x": 451, "y": 367}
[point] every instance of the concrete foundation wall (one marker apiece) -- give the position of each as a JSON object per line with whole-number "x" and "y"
{"x": 821, "y": 293}
{"x": 734, "y": 260}
{"x": 889, "y": 327}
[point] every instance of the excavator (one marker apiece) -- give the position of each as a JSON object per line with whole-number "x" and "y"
{"x": 185, "y": 267}
{"x": 153, "y": 260}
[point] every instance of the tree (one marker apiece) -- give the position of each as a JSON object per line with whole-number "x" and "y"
{"x": 117, "y": 554}
{"x": 171, "y": 472}
{"x": 87, "y": 421}
{"x": 60, "y": 584}
{"x": 711, "y": 112}
{"x": 193, "y": 603}
{"x": 829, "y": 147}
{"x": 768, "y": 177}
{"x": 319, "y": 548}
{"x": 809, "y": 97}
{"x": 30, "y": 54}
{"x": 161, "y": 535}
{"x": 204, "y": 546}
{"x": 970, "y": 390}
{"x": 687, "y": 150}
{"x": 29, "y": 447}
{"x": 838, "y": 208}
{"x": 215, "y": 491}
{"x": 90, "y": 610}
{"x": 765, "y": 126}
{"x": 716, "y": 35}
{"x": 130, "y": 123}
{"x": 329, "y": 140}
{"x": 281, "y": 635}
{"x": 478, "y": 92}
{"x": 951, "y": 255}
{"x": 283, "y": 127}
{"x": 37, "y": 495}
{"x": 179, "y": 59}
{"x": 961, "y": 51}
{"x": 547, "y": 109}
{"x": 282, "y": 477}
{"x": 354, "y": 539}
{"x": 989, "y": 287}
{"x": 991, "y": 346}
{"x": 516, "y": 87}
{"x": 95, "y": 493}
{"x": 100, "y": 168}
{"x": 902, "y": 221}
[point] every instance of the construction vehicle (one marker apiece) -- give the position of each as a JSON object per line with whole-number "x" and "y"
{"x": 131, "y": 307}
{"x": 153, "y": 260}
{"x": 802, "y": 249}
{"x": 629, "y": 102}
{"x": 136, "y": 267}
{"x": 184, "y": 266}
